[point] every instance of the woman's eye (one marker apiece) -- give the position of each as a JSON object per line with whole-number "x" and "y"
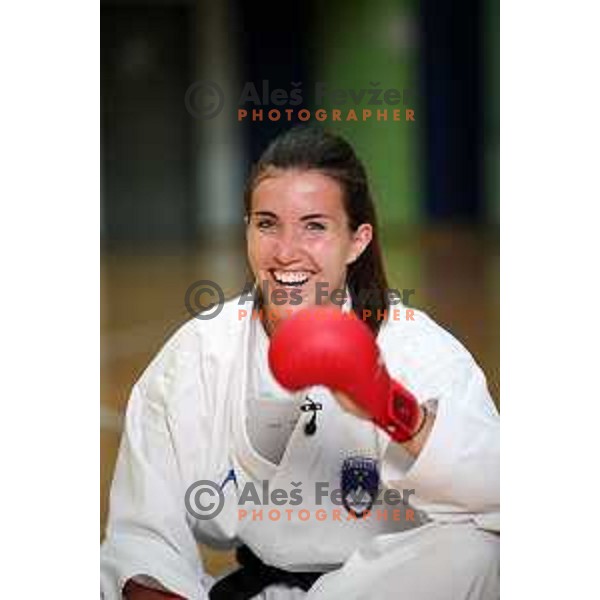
{"x": 315, "y": 226}
{"x": 265, "y": 225}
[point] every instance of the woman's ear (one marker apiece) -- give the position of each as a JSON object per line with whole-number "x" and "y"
{"x": 361, "y": 238}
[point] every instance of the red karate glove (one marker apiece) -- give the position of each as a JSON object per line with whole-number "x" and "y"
{"x": 324, "y": 346}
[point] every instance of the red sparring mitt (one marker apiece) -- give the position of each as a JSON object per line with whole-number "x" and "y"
{"x": 324, "y": 346}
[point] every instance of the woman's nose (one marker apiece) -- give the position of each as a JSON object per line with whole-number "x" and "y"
{"x": 288, "y": 245}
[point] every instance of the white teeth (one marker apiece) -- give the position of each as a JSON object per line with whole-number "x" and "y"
{"x": 294, "y": 277}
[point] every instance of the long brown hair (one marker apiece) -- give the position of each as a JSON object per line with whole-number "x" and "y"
{"x": 313, "y": 148}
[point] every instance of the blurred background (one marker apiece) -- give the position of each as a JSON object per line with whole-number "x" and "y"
{"x": 172, "y": 182}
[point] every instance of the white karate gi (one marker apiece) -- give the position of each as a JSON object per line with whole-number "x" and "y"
{"x": 186, "y": 421}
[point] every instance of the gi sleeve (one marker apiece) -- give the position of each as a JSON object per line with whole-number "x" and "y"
{"x": 457, "y": 473}
{"x": 148, "y": 535}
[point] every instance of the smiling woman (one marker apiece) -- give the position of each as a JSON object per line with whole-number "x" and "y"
{"x": 305, "y": 397}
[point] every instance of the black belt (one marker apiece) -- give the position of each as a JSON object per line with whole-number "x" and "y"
{"x": 254, "y": 576}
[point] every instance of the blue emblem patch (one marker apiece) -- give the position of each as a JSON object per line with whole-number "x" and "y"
{"x": 360, "y": 484}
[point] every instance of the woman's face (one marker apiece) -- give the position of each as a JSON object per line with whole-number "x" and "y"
{"x": 298, "y": 235}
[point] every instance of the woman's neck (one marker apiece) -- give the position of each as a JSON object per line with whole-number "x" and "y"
{"x": 268, "y": 326}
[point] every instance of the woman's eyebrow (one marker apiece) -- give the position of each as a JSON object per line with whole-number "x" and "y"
{"x": 263, "y": 213}
{"x": 314, "y": 216}
{"x": 268, "y": 213}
